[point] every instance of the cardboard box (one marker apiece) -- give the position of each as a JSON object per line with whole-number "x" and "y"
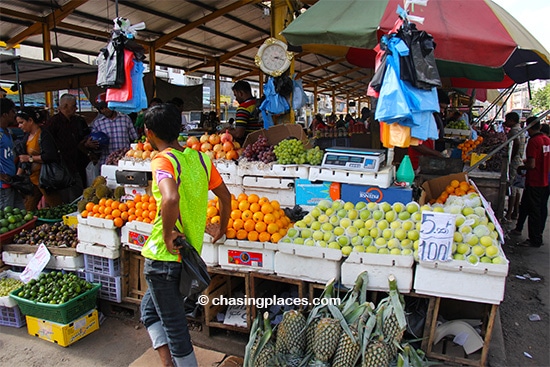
{"x": 63, "y": 334}
{"x": 433, "y": 188}
{"x": 311, "y": 193}
{"x": 277, "y": 133}
{"x": 357, "y": 193}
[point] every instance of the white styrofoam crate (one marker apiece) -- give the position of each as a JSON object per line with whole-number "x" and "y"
{"x": 98, "y": 230}
{"x": 131, "y": 164}
{"x": 231, "y": 178}
{"x": 291, "y": 170}
{"x": 458, "y": 279}
{"x": 98, "y": 250}
{"x": 285, "y": 197}
{"x": 135, "y": 233}
{"x": 378, "y": 268}
{"x": 311, "y": 263}
{"x": 253, "y": 256}
{"x": 210, "y": 253}
{"x": 57, "y": 262}
{"x": 7, "y": 301}
{"x": 253, "y": 168}
{"x": 109, "y": 172}
{"x": 225, "y": 166}
{"x": 383, "y": 178}
{"x": 268, "y": 182}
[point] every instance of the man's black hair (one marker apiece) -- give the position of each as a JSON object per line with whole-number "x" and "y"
{"x": 513, "y": 116}
{"x": 242, "y": 86}
{"x": 536, "y": 126}
{"x": 164, "y": 120}
{"x": 6, "y": 105}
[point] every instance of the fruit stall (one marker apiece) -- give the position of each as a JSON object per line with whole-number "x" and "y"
{"x": 300, "y": 229}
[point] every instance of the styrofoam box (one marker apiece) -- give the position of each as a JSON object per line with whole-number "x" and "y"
{"x": 7, "y": 301}
{"x": 231, "y": 178}
{"x": 383, "y": 178}
{"x": 109, "y": 172}
{"x": 225, "y": 166}
{"x": 378, "y": 268}
{"x": 135, "y": 165}
{"x": 57, "y": 262}
{"x": 311, "y": 263}
{"x": 459, "y": 279}
{"x": 247, "y": 256}
{"x": 135, "y": 233}
{"x": 98, "y": 250}
{"x": 98, "y": 230}
{"x": 210, "y": 252}
{"x": 274, "y": 188}
{"x": 273, "y": 170}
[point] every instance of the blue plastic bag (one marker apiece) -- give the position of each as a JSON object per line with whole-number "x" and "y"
{"x": 274, "y": 104}
{"x": 139, "y": 98}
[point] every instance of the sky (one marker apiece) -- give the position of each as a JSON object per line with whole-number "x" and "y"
{"x": 533, "y": 15}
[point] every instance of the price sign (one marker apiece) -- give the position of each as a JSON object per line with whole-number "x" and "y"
{"x": 36, "y": 264}
{"x": 436, "y": 236}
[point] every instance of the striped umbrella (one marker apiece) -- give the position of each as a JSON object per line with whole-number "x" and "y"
{"x": 479, "y": 44}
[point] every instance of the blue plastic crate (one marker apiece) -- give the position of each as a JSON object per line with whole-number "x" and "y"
{"x": 101, "y": 265}
{"x": 12, "y": 316}
{"x": 111, "y": 287}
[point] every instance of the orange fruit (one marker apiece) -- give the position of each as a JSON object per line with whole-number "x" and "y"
{"x": 84, "y": 213}
{"x": 152, "y": 215}
{"x": 131, "y": 218}
{"x": 234, "y": 204}
{"x": 267, "y": 208}
{"x": 252, "y": 236}
{"x": 449, "y": 189}
{"x": 264, "y": 237}
{"x": 243, "y": 205}
{"x": 242, "y": 197}
{"x": 131, "y": 204}
{"x": 276, "y": 237}
{"x": 109, "y": 216}
{"x": 146, "y": 220}
{"x": 282, "y": 232}
{"x": 236, "y": 214}
{"x": 108, "y": 202}
{"x": 138, "y": 205}
{"x": 137, "y": 197}
{"x": 260, "y": 227}
{"x": 131, "y": 211}
{"x": 230, "y": 223}
{"x": 124, "y": 216}
{"x": 459, "y": 192}
{"x": 464, "y": 186}
{"x": 258, "y": 217}
{"x": 455, "y": 183}
{"x": 211, "y": 211}
{"x": 247, "y": 214}
{"x": 139, "y": 213}
{"x": 249, "y": 225}
{"x": 101, "y": 215}
{"x": 275, "y": 204}
{"x": 116, "y": 213}
{"x": 253, "y": 198}
{"x": 107, "y": 210}
{"x": 215, "y": 219}
{"x": 145, "y": 214}
{"x": 90, "y": 206}
{"x": 242, "y": 234}
{"x": 238, "y": 224}
{"x": 145, "y": 198}
{"x": 95, "y": 209}
{"x": 230, "y": 233}
{"x": 152, "y": 200}
{"x": 122, "y": 207}
{"x": 269, "y": 218}
{"x": 272, "y": 228}
{"x": 280, "y": 223}
{"x": 263, "y": 200}
{"x": 115, "y": 204}
{"x": 101, "y": 209}
{"x": 255, "y": 207}
{"x": 145, "y": 205}
{"x": 102, "y": 201}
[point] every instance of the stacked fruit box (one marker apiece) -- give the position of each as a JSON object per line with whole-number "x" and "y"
{"x": 10, "y": 314}
{"x": 106, "y": 272}
{"x": 99, "y": 237}
{"x": 247, "y": 255}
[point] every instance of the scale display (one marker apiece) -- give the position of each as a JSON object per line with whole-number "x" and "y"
{"x": 354, "y": 159}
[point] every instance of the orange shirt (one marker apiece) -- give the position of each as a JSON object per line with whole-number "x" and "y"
{"x": 33, "y": 148}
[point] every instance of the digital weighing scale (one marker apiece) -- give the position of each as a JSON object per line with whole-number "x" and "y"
{"x": 356, "y": 159}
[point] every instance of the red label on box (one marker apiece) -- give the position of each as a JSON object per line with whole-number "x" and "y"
{"x": 245, "y": 258}
{"x": 137, "y": 238}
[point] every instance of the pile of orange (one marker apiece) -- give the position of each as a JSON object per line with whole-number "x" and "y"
{"x": 142, "y": 209}
{"x": 457, "y": 188}
{"x": 253, "y": 218}
{"x": 142, "y": 151}
{"x": 468, "y": 146}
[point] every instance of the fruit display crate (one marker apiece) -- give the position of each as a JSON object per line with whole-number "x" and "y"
{"x": 135, "y": 233}
{"x": 97, "y": 250}
{"x": 247, "y": 255}
{"x": 7, "y": 237}
{"x": 461, "y": 280}
{"x": 11, "y": 316}
{"x": 7, "y": 301}
{"x": 383, "y": 178}
{"x": 58, "y": 262}
{"x": 273, "y": 170}
{"x": 111, "y": 286}
{"x": 134, "y": 284}
{"x": 62, "y": 313}
{"x": 310, "y": 263}
{"x": 378, "y": 268}
{"x": 109, "y": 172}
{"x": 98, "y": 230}
{"x": 64, "y": 334}
{"x": 101, "y": 265}
{"x": 225, "y": 166}
{"x": 210, "y": 251}
{"x": 131, "y": 164}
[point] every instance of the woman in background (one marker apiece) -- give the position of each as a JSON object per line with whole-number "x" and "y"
{"x": 37, "y": 146}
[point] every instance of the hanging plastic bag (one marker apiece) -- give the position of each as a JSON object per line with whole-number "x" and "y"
{"x": 274, "y": 104}
{"x": 110, "y": 64}
{"x": 124, "y": 93}
{"x": 194, "y": 276}
{"x": 399, "y": 135}
{"x": 392, "y": 105}
{"x": 92, "y": 171}
{"x": 299, "y": 97}
{"x": 139, "y": 98}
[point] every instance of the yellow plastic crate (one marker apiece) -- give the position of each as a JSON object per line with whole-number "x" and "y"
{"x": 476, "y": 158}
{"x": 71, "y": 219}
{"x": 63, "y": 334}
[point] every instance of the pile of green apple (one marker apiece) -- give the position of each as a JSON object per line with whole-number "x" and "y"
{"x": 385, "y": 228}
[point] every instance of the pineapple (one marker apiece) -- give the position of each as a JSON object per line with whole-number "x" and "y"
{"x": 290, "y": 339}
{"x": 376, "y": 354}
{"x": 326, "y": 339}
{"x": 348, "y": 349}
{"x": 394, "y": 321}
{"x": 310, "y": 334}
{"x": 266, "y": 356}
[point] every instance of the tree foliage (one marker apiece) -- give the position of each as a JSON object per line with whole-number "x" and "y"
{"x": 541, "y": 99}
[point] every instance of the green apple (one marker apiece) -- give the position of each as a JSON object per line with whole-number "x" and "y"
{"x": 328, "y": 236}
{"x": 467, "y": 211}
{"x": 499, "y": 260}
{"x": 324, "y": 205}
{"x": 398, "y": 207}
{"x": 462, "y": 248}
{"x": 472, "y": 240}
{"x": 359, "y": 248}
{"x": 375, "y": 232}
{"x": 406, "y": 243}
{"x": 298, "y": 241}
{"x": 459, "y": 220}
{"x": 491, "y": 251}
{"x": 359, "y": 223}
{"x": 413, "y": 235}
{"x": 334, "y": 245}
{"x": 387, "y": 233}
{"x": 286, "y": 240}
{"x": 330, "y": 212}
{"x": 481, "y": 230}
{"x": 306, "y": 233}
{"x": 323, "y": 218}
{"x": 407, "y": 225}
{"x": 364, "y": 214}
{"x": 395, "y": 251}
{"x": 457, "y": 237}
{"x": 348, "y": 205}
{"x": 367, "y": 241}
{"x": 327, "y": 227}
{"x": 480, "y": 211}
{"x": 351, "y": 231}
{"x": 413, "y": 207}
{"x": 385, "y": 206}
{"x": 345, "y": 222}
{"x": 371, "y": 250}
{"x": 356, "y": 241}
{"x": 322, "y": 243}
{"x": 464, "y": 229}
{"x": 309, "y": 242}
{"x": 439, "y": 209}
{"x": 292, "y": 232}
{"x": 486, "y": 241}
{"x": 491, "y": 226}
{"x": 334, "y": 220}
{"x": 360, "y": 205}
{"x": 300, "y": 224}
{"x": 396, "y": 224}
{"x": 384, "y": 251}
{"x": 342, "y": 213}
{"x": 459, "y": 257}
{"x": 370, "y": 223}
{"x": 315, "y": 212}
{"x": 406, "y": 252}
{"x": 308, "y": 219}
{"x": 383, "y": 224}
{"x": 338, "y": 231}
{"x": 372, "y": 206}
{"x": 394, "y": 243}
{"x": 494, "y": 235}
{"x": 317, "y": 235}
{"x": 390, "y": 215}
{"x": 417, "y": 217}
{"x": 418, "y": 226}
{"x": 478, "y": 250}
{"x": 486, "y": 259}
{"x": 380, "y": 242}
{"x": 378, "y": 214}
{"x": 416, "y": 244}
{"x": 337, "y": 205}
{"x": 363, "y": 232}
{"x": 343, "y": 240}
{"x": 346, "y": 250}
{"x": 425, "y": 208}
{"x": 316, "y": 225}
{"x": 353, "y": 214}
{"x": 472, "y": 259}
{"x": 400, "y": 234}
{"x": 404, "y": 215}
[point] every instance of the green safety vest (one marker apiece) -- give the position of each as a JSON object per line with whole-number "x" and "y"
{"x": 192, "y": 175}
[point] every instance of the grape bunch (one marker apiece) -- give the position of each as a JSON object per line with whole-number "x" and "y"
{"x": 115, "y": 156}
{"x": 292, "y": 151}
{"x": 260, "y": 150}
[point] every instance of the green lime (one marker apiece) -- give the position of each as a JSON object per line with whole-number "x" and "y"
{"x": 12, "y": 226}
{"x": 12, "y": 219}
{"x": 8, "y": 209}
{"x": 28, "y": 217}
{"x": 16, "y": 210}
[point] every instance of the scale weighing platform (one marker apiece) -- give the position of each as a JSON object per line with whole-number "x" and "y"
{"x": 356, "y": 159}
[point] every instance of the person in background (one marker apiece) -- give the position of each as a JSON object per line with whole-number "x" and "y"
{"x": 211, "y": 122}
{"x": 511, "y": 121}
{"x": 8, "y": 169}
{"x": 318, "y": 123}
{"x": 138, "y": 125}
{"x": 178, "y": 102}
{"x": 39, "y": 147}
{"x": 440, "y": 119}
{"x": 245, "y": 116}
{"x": 71, "y": 132}
{"x": 365, "y": 117}
{"x": 117, "y": 126}
{"x": 181, "y": 181}
{"x": 3, "y": 93}
{"x": 341, "y": 123}
{"x": 534, "y": 201}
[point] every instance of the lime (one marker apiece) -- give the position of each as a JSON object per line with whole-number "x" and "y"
{"x": 16, "y": 210}
{"x": 4, "y": 223}
{"x": 4, "y": 230}
{"x": 27, "y": 217}
{"x": 8, "y": 209}
{"x": 12, "y": 226}
{"x": 12, "y": 219}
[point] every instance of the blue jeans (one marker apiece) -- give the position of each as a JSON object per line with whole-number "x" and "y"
{"x": 163, "y": 303}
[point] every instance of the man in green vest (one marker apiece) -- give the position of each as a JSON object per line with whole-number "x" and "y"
{"x": 181, "y": 180}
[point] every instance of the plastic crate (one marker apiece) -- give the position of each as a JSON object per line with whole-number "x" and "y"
{"x": 111, "y": 287}
{"x": 63, "y": 313}
{"x": 101, "y": 265}
{"x": 11, "y": 316}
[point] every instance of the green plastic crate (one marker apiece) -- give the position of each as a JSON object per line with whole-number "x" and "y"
{"x": 62, "y": 313}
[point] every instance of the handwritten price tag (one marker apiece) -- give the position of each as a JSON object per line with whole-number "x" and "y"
{"x": 436, "y": 236}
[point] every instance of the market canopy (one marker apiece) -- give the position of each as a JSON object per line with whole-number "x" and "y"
{"x": 479, "y": 44}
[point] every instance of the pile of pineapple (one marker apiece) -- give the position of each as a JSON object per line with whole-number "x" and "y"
{"x": 354, "y": 333}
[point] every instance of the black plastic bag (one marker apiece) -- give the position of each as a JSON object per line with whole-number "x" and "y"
{"x": 194, "y": 276}
{"x": 378, "y": 77}
{"x": 55, "y": 176}
{"x": 22, "y": 184}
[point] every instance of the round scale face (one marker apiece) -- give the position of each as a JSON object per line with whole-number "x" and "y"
{"x": 273, "y": 58}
